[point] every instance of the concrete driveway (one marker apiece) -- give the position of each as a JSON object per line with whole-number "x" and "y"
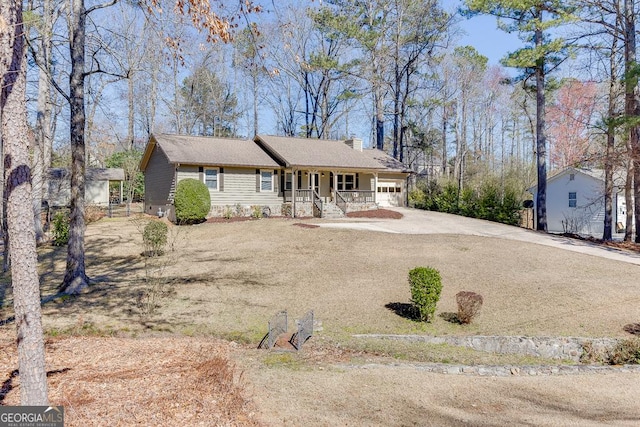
{"x": 417, "y": 221}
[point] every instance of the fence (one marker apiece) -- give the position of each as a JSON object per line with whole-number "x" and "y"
{"x": 123, "y": 210}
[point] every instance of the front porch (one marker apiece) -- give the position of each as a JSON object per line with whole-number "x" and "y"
{"x": 336, "y": 205}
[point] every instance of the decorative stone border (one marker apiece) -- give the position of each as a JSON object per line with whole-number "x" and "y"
{"x": 566, "y": 348}
{"x": 503, "y": 371}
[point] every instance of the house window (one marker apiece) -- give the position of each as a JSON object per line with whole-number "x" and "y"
{"x": 266, "y": 180}
{"x": 288, "y": 181}
{"x": 572, "y": 176}
{"x": 573, "y": 199}
{"x": 211, "y": 179}
{"x": 346, "y": 182}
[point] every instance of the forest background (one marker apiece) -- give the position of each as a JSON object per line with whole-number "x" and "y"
{"x": 101, "y": 77}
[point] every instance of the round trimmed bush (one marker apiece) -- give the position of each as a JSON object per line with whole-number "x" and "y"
{"x": 192, "y": 201}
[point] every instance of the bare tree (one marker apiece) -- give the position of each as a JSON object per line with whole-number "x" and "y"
{"x": 18, "y": 196}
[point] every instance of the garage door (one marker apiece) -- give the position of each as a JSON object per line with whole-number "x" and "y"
{"x": 390, "y": 192}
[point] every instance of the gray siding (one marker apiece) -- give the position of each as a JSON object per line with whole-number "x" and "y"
{"x": 238, "y": 187}
{"x": 158, "y": 182}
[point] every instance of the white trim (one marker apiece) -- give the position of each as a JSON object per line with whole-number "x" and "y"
{"x": 270, "y": 172}
{"x": 204, "y": 178}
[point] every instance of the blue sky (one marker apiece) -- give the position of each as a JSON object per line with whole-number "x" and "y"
{"x": 482, "y": 33}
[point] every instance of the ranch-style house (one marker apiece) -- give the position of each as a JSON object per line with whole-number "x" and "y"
{"x": 279, "y": 175}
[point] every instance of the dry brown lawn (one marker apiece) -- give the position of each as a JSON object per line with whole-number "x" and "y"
{"x": 225, "y": 280}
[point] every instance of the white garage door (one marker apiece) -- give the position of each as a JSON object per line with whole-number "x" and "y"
{"x": 390, "y": 192}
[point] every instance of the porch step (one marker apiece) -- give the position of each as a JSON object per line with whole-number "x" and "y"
{"x": 331, "y": 211}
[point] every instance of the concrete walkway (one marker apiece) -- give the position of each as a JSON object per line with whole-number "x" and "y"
{"x": 417, "y": 221}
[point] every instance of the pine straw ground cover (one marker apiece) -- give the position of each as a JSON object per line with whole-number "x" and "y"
{"x": 123, "y": 381}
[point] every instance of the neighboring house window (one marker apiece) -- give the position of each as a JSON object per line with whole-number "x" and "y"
{"x": 573, "y": 198}
{"x": 266, "y": 180}
{"x": 572, "y": 177}
{"x": 211, "y": 179}
{"x": 288, "y": 180}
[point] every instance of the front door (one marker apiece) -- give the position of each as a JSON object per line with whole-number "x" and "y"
{"x": 316, "y": 183}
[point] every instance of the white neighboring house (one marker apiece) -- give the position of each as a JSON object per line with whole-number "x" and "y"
{"x": 575, "y": 202}
{"x": 96, "y": 185}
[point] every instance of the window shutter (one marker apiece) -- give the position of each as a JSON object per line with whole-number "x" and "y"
{"x": 221, "y": 180}
{"x": 357, "y": 181}
{"x": 258, "y": 180}
{"x": 299, "y": 180}
{"x": 283, "y": 176}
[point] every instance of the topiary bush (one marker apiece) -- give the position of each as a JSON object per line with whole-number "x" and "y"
{"x": 426, "y": 285}
{"x": 154, "y": 237}
{"x": 469, "y": 305}
{"x": 192, "y": 201}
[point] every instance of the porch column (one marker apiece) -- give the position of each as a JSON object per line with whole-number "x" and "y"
{"x": 375, "y": 187}
{"x": 121, "y": 192}
{"x": 294, "y": 182}
{"x": 312, "y": 182}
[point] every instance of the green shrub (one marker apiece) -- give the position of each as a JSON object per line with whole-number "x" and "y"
{"x": 228, "y": 212}
{"x": 60, "y": 228}
{"x": 256, "y": 211}
{"x": 154, "y": 237}
{"x": 487, "y": 199}
{"x": 446, "y": 200}
{"x": 192, "y": 201}
{"x": 426, "y": 286}
{"x": 417, "y": 198}
{"x": 468, "y": 203}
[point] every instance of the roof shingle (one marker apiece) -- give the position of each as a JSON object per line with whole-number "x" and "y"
{"x": 316, "y": 153}
{"x": 204, "y": 150}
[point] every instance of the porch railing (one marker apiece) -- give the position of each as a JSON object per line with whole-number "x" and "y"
{"x": 301, "y": 196}
{"x": 356, "y": 196}
{"x": 317, "y": 203}
{"x": 341, "y": 202}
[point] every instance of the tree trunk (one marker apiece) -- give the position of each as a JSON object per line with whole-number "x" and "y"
{"x": 254, "y": 81}
{"x": 131, "y": 107}
{"x": 396, "y": 111}
{"x": 445, "y": 117}
{"x": 42, "y": 147}
{"x": 379, "y": 100}
{"x": 630, "y": 110}
{"x": 75, "y": 278}
{"x": 608, "y": 183}
{"x": 541, "y": 143}
{"x": 607, "y": 234}
{"x": 20, "y": 224}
